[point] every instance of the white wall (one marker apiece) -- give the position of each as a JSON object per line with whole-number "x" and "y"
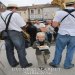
{"x": 49, "y": 12}
{"x": 24, "y": 14}
{"x": 46, "y": 13}
{"x": 36, "y": 15}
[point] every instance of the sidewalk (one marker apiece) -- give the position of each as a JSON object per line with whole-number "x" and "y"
{"x": 5, "y": 69}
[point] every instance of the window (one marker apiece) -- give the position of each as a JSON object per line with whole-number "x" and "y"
{"x": 38, "y": 11}
{"x": 32, "y": 11}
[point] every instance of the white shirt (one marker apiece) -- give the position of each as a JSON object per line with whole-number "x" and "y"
{"x": 67, "y": 26}
{"x": 39, "y": 25}
{"x": 16, "y": 21}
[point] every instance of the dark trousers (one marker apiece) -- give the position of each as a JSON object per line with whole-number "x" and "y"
{"x": 49, "y": 36}
{"x": 16, "y": 40}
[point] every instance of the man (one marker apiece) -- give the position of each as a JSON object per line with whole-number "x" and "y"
{"x": 15, "y": 38}
{"x": 40, "y": 26}
{"x": 50, "y": 30}
{"x": 65, "y": 20}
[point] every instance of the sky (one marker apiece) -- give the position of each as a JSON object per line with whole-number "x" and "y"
{"x": 25, "y": 2}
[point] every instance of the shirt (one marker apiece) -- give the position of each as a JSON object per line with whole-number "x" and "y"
{"x": 67, "y": 26}
{"x": 16, "y": 21}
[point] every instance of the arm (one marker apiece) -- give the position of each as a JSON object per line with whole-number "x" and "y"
{"x": 19, "y": 21}
{"x": 57, "y": 19}
{"x": 47, "y": 43}
{"x": 23, "y": 28}
{"x": 55, "y": 24}
{"x": 35, "y": 46}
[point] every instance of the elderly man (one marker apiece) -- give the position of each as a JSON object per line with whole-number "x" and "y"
{"x": 40, "y": 26}
{"x": 65, "y": 19}
{"x": 15, "y": 38}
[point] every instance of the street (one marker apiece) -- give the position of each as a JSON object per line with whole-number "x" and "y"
{"x": 6, "y": 69}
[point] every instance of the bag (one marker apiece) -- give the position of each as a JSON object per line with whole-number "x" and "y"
{"x": 4, "y": 33}
{"x": 26, "y": 35}
{"x": 27, "y": 39}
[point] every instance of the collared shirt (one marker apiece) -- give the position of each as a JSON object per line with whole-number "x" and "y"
{"x": 67, "y": 26}
{"x": 16, "y": 21}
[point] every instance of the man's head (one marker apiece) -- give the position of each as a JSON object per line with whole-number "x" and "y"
{"x": 37, "y": 22}
{"x": 49, "y": 22}
{"x": 70, "y": 3}
{"x": 12, "y": 7}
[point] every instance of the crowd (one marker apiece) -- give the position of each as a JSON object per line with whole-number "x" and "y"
{"x": 32, "y": 28}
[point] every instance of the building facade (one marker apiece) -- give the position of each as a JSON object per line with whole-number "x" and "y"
{"x": 2, "y": 7}
{"x": 23, "y": 11}
{"x": 40, "y": 12}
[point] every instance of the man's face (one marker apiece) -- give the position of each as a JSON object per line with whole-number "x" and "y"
{"x": 49, "y": 22}
{"x": 37, "y": 22}
{"x": 14, "y": 10}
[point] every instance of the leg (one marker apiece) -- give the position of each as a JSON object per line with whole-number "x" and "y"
{"x": 46, "y": 57}
{"x": 70, "y": 52}
{"x": 40, "y": 59}
{"x": 19, "y": 44}
{"x": 10, "y": 53}
{"x": 49, "y": 37}
{"x": 55, "y": 36}
{"x": 60, "y": 45}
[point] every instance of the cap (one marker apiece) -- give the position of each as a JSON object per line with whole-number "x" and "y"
{"x": 70, "y": 2}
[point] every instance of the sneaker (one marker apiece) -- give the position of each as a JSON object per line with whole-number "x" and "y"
{"x": 68, "y": 67}
{"x": 53, "y": 65}
{"x": 28, "y": 65}
{"x": 14, "y": 65}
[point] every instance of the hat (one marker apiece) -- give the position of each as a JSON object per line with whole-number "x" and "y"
{"x": 12, "y": 5}
{"x": 70, "y": 2}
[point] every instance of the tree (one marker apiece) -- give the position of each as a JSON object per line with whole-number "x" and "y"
{"x": 61, "y": 3}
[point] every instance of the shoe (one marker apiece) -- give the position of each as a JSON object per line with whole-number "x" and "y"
{"x": 69, "y": 67}
{"x": 53, "y": 65}
{"x": 28, "y": 65}
{"x": 14, "y": 65}
{"x": 41, "y": 68}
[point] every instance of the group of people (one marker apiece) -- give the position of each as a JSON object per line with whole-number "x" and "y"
{"x": 40, "y": 35}
{"x": 32, "y": 28}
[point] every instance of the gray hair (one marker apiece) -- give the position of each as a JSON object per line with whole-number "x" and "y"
{"x": 40, "y": 34}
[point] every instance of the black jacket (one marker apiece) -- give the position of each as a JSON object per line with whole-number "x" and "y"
{"x": 36, "y": 43}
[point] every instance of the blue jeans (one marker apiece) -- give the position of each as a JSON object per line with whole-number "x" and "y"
{"x": 16, "y": 40}
{"x": 61, "y": 42}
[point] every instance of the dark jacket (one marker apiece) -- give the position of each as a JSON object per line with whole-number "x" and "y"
{"x": 38, "y": 43}
{"x": 32, "y": 31}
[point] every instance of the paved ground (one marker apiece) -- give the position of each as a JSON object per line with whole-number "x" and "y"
{"x": 5, "y": 68}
